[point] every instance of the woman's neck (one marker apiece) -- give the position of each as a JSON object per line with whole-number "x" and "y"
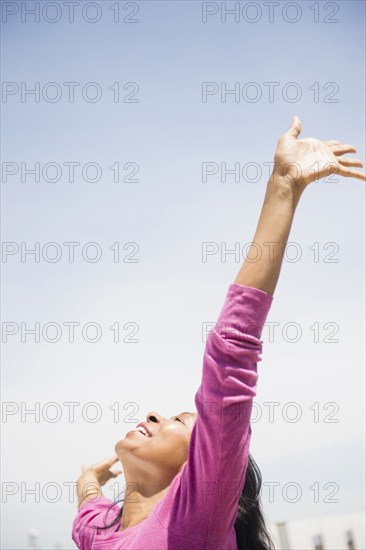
{"x": 144, "y": 489}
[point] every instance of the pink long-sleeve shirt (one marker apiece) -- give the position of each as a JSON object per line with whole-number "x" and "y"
{"x": 200, "y": 507}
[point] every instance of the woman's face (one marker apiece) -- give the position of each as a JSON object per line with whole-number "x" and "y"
{"x": 165, "y": 447}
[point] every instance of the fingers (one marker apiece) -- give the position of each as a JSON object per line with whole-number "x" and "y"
{"x": 102, "y": 465}
{"x": 347, "y": 161}
{"x": 117, "y": 473}
{"x": 112, "y": 460}
{"x": 332, "y": 142}
{"x": 340, "y": 148}
{"x": 349, "y": 173}
{"x": 106, "y": 464}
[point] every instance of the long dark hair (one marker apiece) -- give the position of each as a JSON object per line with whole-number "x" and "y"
{"x": 250, "y": 526}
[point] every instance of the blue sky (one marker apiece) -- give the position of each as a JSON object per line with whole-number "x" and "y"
{"x": 169, "y": 213}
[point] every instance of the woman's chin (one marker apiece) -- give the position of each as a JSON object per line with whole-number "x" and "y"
{"x": 119, "y": 447}
{"x": 124, "y": 445}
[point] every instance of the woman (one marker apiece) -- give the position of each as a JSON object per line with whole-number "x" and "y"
{"x": 190, "y": 480}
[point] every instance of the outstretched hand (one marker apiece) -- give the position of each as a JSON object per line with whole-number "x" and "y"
{"x": 302, "y": 161}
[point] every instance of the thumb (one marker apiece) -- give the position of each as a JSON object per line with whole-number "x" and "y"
{"x": 295, "y": 127}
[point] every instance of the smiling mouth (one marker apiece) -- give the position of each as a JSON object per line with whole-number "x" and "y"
{"x": 142, "y": 431}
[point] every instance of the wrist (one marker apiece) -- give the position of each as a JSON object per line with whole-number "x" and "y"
{"x": 89, "y": 494}
{"x": 87, "y": 487}
{"x": 284, "y": 188}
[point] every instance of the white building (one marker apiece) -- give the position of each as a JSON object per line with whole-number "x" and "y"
{"x": 344, "y": 532}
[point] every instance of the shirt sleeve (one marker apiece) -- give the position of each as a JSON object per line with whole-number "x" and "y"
{"x": 93, "y": 513}
{"x": 206, "y": 501}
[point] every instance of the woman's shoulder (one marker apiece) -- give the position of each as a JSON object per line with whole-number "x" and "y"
{"x": 92, "y": 517}
{"x": 99, "y": 502}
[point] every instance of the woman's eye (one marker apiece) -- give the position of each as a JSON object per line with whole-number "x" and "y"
{"x": 180, "y": 420}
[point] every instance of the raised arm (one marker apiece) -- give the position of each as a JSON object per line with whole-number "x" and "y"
{"x": 298, "y": 162}
{"x": 203, "y": 500}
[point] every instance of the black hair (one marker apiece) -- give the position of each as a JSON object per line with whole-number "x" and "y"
{"x": 250, "y": 526}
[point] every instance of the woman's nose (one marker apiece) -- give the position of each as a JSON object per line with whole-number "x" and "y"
{"x": 153, "y": 416}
